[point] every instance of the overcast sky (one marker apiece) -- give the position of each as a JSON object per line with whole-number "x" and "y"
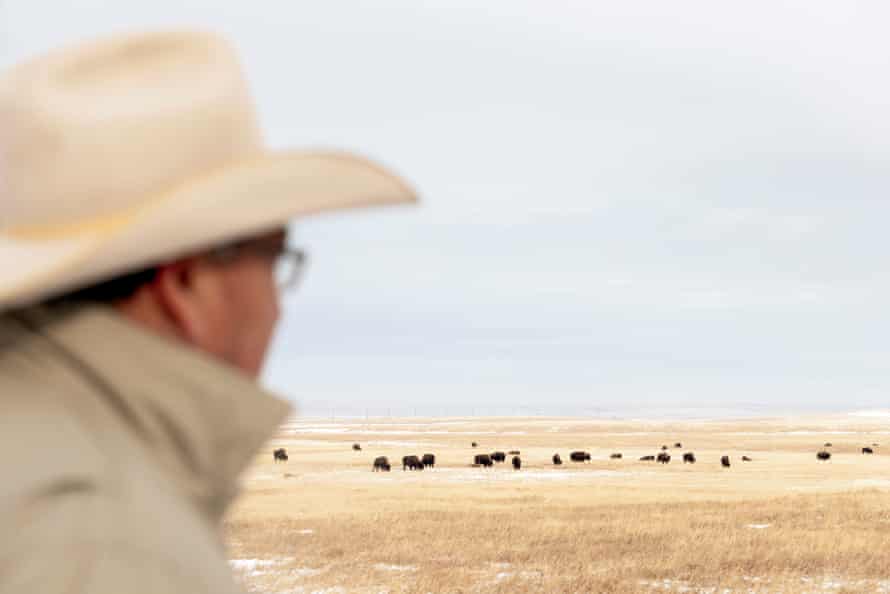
{"x": 637, "y": 206}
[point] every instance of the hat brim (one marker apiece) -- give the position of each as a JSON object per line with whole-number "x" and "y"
{"x": 242, "y": 199}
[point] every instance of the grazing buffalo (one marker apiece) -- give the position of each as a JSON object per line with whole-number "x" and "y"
{"x": 579, "y": 456}
{"x": 429, "y": 460}
{"x": 474, "y": 444}
{"x": 746, "y": 459}
{"x": 517, "y": 463}
{"x": 724, "y": 461}
{"x": 279, "y": 455}
{"x": 663, "y": 448}
{"x": 678, "y": 445}
{"x": 356, "y": 447}
{"x": 823, "y": 455}
{"x": 482, "y": 460}
{"x": 556, "y": 460}
{"x": 411, "y": 463}
{"x": 499, "y": 456}
{"x": 647, "y": 459}
{"x": 867, "y": 451}
{"x": 513, "y": 452}
{"x": 688, "y": 458}
{"x": 664, "y": 457}
{"x": 381, "y": 464}
{"x": 827, "y": 444}
{"x": 616, "y": 456}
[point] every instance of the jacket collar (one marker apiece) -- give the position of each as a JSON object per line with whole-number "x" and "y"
{"x": 202, "y": 419}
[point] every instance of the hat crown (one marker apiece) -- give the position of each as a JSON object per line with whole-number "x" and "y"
{"x": 94, "y": 131}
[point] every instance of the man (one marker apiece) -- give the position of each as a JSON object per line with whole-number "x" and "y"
{"x": 141, "y": 224}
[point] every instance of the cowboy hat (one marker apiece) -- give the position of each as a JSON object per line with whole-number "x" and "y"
{"x": 123, "y": 152}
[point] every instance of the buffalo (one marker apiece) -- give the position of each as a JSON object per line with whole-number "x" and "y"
{"x": 356, "y": 447}
{"x": 474, "y": 444}
{"x": 746, "y": 459}
{"x": 616, "y": 456}
{"x": 823, "y": 455}
{"x": 827, "y": 444}
{"x": 517, "y": 463}
{"x": 663, "y": 448}
{"x": 411, "y": 463}
{"x": 513, "y": 452}
{"x": 664, "y": 457}
{"x": 498, "y": 456}
{"x": 678, "y": 445}
{"x": 647, "y": 459}
{"x": 429, "y": 460}
{"x": 867, "y": 451}
{"x": 556, "y": 460}
{"x": 688, "y": 458}
{"x": 381, "y": 463}
{"x": 724, "y": 461}
{"x": 279, "y": 455}
{"x": 579, "y": 456}
{"x": 482, "y": 460}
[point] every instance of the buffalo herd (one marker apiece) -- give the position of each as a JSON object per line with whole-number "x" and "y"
{"x": 414, "y": 462}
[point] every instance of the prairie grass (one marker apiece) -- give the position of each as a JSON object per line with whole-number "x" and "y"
{"x": 781, "y": 523}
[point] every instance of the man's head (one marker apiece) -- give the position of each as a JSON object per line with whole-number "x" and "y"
{"x": 221, "y": 301}
{"x": 162, "y": 155}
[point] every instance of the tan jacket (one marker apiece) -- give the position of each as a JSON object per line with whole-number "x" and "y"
{"x": 119, "y": 452}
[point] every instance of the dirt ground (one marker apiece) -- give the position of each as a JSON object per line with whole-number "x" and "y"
{"x": 784, "y": 522}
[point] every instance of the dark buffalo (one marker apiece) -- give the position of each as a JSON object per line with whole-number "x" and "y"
{"x": 513, "y": 452}
{"x": 688, "y": 458}
{"x": 381, "y": 463}
{"x": 746, "y": 459}
{"x": 517, "y": 463}
{"x": 823, "y": 455}
{"x": 556, "y": 460}
{"x": 647, "y": 459}
{"x": 499, "y": 456}
{"x": 411, "y": 463}
{"x": 827, "y": 444}
{"x": 664, "y": 457}
{"x": 482, "y": 460}
{"x": 279, "y": 455}
{"x": 678, "y": 445}
{"x": 867, "y": 451}
{"x": 579, "y": 456}
{"x": 663, "y": 448}
{"x": 356, "y": 447}
{"x": 724, "y": 461}
{"x": 429, "y": 460}
{"x": 616, "y": 456}
{"x": 474, "y": 444}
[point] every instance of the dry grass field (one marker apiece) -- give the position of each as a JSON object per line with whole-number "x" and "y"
{"x": 784, "y": 522}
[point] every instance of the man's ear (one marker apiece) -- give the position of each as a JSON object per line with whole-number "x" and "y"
{"x": 176, "y": 290}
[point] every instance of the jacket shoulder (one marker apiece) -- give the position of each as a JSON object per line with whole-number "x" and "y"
{"x": 44, "y": 445}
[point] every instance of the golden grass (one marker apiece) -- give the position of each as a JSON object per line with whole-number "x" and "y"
{"x": 782, "y": 523}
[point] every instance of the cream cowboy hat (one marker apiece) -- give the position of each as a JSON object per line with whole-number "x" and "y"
{"x": 124, "y": 152}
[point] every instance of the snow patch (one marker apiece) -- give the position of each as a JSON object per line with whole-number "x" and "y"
{"x": 385, "y": 567}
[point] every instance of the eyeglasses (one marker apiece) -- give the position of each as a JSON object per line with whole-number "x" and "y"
{"x": 290, "y": 262}
{"x": 290, "y": 266}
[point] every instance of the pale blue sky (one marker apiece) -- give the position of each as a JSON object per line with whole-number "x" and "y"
{"x": 641, "y": 206}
